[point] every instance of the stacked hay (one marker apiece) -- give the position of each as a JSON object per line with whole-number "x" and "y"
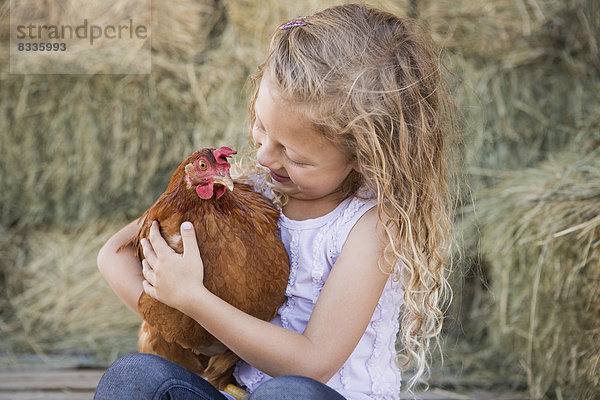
{"x": 525, "y": 75}
{"x": 541, "y": 236}
{"x": 59, "y": 304}
{"x": 526, "y": 311}
{"x": 86, "y": 146}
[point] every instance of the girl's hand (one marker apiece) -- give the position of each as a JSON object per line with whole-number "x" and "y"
{"x": 170, "y": 277}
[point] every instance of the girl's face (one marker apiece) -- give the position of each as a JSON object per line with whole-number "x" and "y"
{"x": 303, "y": 164}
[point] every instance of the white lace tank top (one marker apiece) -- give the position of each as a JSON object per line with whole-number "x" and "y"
{"x": 313, "y": 246}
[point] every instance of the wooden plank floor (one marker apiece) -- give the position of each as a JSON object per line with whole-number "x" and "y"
{"x": 48, "y": 383}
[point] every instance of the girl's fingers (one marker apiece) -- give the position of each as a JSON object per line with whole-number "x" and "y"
{"x": 148, "y": 272}
{"x": 190, "y": 243}
{"x": 155, "y": 245}
{"x": 159, "y": 244}
{"x": 149, "y": 289}
{"x": 148, "y": 251}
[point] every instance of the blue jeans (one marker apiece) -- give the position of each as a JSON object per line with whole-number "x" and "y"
{"x": 149, "y": 377}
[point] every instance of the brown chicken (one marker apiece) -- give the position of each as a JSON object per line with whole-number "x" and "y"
{"x": 245, "y": 263}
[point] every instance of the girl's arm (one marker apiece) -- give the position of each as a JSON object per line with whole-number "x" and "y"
{"x": 122, "y": 270}
{"x": 338, "y": 321}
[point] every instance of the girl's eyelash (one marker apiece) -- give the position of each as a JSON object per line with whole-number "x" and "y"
{"x": 292, "y": 161}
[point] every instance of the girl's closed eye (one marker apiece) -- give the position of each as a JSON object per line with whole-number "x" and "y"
{"x": 293, "y": 161}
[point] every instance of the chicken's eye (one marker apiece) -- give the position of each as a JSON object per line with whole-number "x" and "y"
{"x": 202, "y": 165}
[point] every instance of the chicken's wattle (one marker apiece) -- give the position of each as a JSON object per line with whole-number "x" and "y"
{"x": 220, "y": 191}
{"x": 206, "y": 191}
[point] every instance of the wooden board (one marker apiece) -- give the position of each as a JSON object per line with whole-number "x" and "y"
{"x": 52, "y": 384}
{"x": 37, "y": 383}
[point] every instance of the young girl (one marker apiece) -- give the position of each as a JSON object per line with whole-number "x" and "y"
{"x": 347, "y": 118}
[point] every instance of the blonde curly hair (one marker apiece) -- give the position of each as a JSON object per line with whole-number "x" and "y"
{"x": 370, "y": 82}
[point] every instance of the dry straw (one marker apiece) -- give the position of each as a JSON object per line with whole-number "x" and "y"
{"x": 56, "y": 303}
{"x": 528, "y": 102}
{"x": 541, "y": 234}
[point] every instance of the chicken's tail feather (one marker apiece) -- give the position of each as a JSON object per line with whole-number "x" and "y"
{"x": 151, "y": 341}
{"x": 219, "y": 371}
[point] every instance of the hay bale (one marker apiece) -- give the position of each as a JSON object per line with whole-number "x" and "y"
{"x": 527, "y": 98}
{"x": 516, "y": 32}
{"x": 541, "y": 236}
{"x": 526, "y": 95}
{"x": 67, "y": 138}
{"x": 56, "y": 302}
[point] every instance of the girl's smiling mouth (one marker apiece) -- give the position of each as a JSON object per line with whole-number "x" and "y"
{"x": 279, "y": 178}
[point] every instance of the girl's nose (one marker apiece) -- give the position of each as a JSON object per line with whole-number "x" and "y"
{"x": 266, "y": 155}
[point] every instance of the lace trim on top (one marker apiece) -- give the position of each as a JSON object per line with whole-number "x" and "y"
{"x": 318, "y": 262}
{"x": 386, "y": 312}
{"x": 290, "y": 301}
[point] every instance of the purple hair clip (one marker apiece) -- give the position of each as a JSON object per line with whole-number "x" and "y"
{"x": 293, "y": 23}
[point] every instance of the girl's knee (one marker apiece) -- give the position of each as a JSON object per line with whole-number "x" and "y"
{"x": 146, "y": 376}
{"x": 294, "y": 387}
{"x": 133, "y": 375}
{"x": 130, "y": 364}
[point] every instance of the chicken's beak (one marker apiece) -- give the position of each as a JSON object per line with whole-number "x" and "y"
{"x": 225, "y": 181}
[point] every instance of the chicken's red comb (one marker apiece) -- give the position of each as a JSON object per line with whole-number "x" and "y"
{"x": 223, "y": 152}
